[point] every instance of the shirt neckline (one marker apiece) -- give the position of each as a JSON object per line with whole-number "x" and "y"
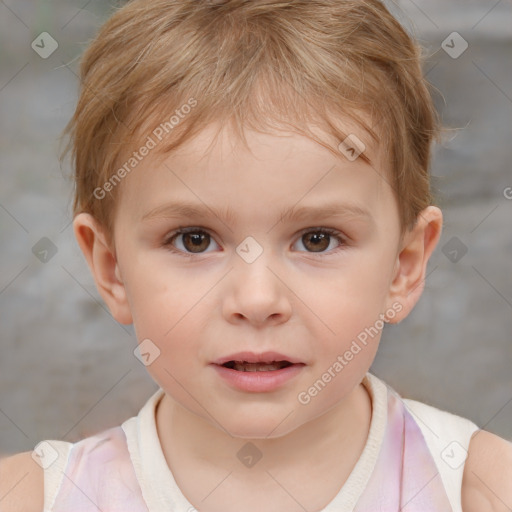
{"x": 159, "y": 488}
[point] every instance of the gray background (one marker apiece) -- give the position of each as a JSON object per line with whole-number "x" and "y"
{"x": 67, "y": 369}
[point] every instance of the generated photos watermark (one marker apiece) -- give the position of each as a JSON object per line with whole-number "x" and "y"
{"x": 367, "y": 334}
{"x": 152, "y": 141}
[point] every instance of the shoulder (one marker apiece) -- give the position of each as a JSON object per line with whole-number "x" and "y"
{"x": 486, "y": 484}
{"x": 21, "y": 484}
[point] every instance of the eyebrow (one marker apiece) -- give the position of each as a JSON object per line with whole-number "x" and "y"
{"x": 226, "y": 214}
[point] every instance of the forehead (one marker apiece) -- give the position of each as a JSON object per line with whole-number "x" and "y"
{"x": 220, "y": 141}
{"x": 275, "y": 169}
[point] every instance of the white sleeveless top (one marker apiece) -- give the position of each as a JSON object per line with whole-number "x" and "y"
{"x": 142, "y": 473}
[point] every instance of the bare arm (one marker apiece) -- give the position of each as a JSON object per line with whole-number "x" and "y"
{"x": 21, "y": 484}
{"x": 487, "y": 480}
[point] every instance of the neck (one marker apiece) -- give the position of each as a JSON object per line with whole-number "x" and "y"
{"x": 329, "y": 444}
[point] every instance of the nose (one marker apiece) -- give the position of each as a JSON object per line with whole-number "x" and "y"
{"x": 257, "y": 294}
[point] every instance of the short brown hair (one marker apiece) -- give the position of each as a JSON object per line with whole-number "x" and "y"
{"x": 254, "y": 63}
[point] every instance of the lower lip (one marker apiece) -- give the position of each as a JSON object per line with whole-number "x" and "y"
{"x": 258, "y": 382}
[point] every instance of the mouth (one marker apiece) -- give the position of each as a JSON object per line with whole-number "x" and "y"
{"x": 245, "y": 366}
{"x": 258, "y": 373}
{"x": 247, "y": 361}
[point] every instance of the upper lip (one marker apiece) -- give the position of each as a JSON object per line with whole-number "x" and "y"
{"x": 252, "y": 357}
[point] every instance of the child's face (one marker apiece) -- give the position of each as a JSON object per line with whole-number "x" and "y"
{"x": 306, "y": 297}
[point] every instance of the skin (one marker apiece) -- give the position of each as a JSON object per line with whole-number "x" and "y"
{"x": 302, "y": 301}
{"x": 290, "y": 299}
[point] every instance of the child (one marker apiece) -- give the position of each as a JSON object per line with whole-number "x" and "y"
{"x": 252, "y": 193}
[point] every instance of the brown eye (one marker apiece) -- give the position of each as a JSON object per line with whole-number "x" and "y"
{"x": 196, "y": 242}
{"x": 190, "y": 242}
{"x": 316, "y": 241}
{"x": 320, "y": 241}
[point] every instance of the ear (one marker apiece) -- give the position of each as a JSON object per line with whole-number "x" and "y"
{"x": 103, "y": 265}
{"x": 411, "y": 263}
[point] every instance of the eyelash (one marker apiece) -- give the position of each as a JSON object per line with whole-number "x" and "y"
{"x": 182, "y": 230}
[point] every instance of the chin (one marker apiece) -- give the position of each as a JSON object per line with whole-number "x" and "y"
{"x": 259, "y": 426}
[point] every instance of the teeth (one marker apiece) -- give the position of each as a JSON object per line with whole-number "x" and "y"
{"x": 242, "y": 366}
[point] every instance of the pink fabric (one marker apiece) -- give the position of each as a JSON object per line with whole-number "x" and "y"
{"x": 100, "y": 474}
{"x": 100, "y": 477}
{"x": 405, "y": 477}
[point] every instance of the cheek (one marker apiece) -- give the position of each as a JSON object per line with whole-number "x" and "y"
{"x": 358, "y": 295}
{"x": 159, "y": 310}
{"x": 171, "y": 312}
{"x": 351, "y": 311}
{"x": 170, "y": 320}
{"x": 155, "y": 291}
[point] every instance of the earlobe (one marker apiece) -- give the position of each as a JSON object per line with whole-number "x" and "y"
{"x": 411, "y": 264}
{"x": 103, "y": 264}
